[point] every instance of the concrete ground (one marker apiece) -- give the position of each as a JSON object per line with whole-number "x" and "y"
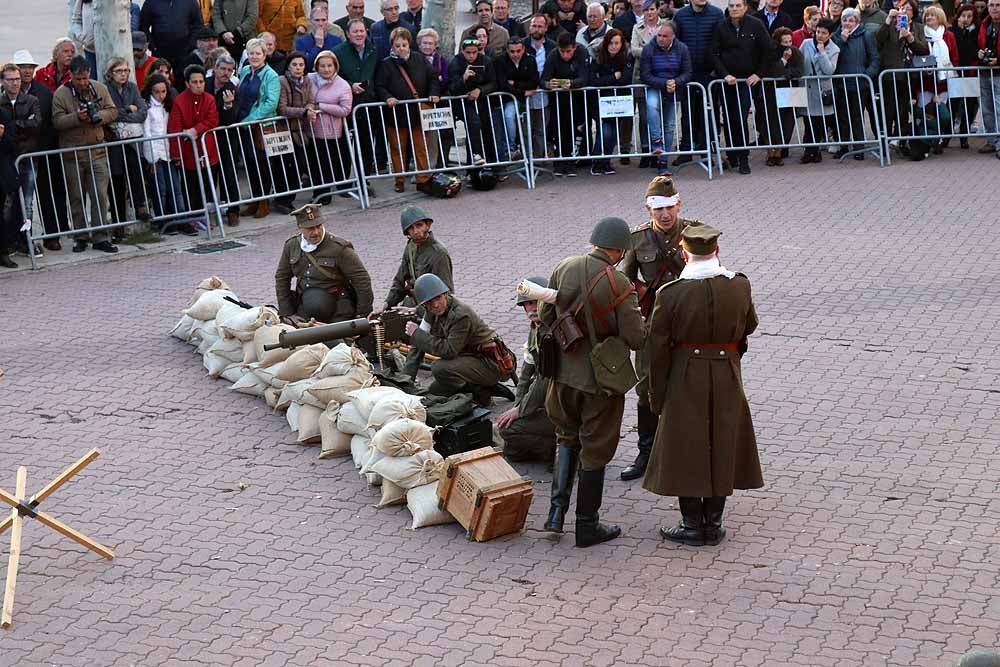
{"x": 873, "y": 383}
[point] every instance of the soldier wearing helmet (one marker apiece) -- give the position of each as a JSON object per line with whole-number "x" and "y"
{"x": 588, "y": 418}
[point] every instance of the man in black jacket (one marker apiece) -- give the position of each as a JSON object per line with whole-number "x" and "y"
{"x": 517, "y": 74}
{"x": 502, "y": 17}
{"x": 627, "y": 21}
{"x": 773, "y": 17}
{"x": 171, "y": 26}
{"x": 740, "y": 50}
{"x": 473, "y": 75}
{"x": 20, "y": 113}
{"x": 221, "y": 86}
{"x": 566, "y": 71}
{"x": 537, "y": 48}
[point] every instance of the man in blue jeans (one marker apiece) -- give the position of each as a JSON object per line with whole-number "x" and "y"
{"x": 664, "y": 66}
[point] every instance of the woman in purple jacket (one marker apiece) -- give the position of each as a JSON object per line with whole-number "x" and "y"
{"x": 332, "y": 96}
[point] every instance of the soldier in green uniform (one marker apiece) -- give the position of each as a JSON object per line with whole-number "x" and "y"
{"x": 587, "y": 419}
{"x": 471, "y": 357}
{"x": 697, "y": 336}
{"x": 527, "y": 432}
{"x": 422, "y": 254}
{"x": 653, "y": 261}
{"x": 331, "y": 283}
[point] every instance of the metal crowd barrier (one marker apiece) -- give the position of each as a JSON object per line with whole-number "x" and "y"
{"x": 937, "y": 103}
{"x": 279, "y": 158}
{"x": 767, "y": 115}
{"x": 605, "y": 123}
{"x": 92, "y": 190}
{"x": 389, "y": 143}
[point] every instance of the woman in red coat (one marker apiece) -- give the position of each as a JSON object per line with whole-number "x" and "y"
{"x": 194, "y": 113}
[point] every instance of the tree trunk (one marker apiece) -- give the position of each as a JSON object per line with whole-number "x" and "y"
{"x": 440, "y": 15}
{"x": 112, "y": 33}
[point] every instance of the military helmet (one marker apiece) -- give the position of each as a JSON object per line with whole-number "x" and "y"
{"x": 612, "y": 233}
{"x": 523, "y": 298}
{"x": 979, "y": 659}
{"x": 427, "y": 287}
{"x": 411, "y": 215}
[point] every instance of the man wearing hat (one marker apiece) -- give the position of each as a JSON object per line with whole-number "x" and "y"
{"x": 205, "y": 42}
{"x": 527, "y": 432}
{"x": 697, "y": 335}
{"x": 653, "y": 261}
{"x": 471, "y": 357}
{"x": 331, "y": 283}
{"x": 141, "y": 57}
{"x": 587, "y": 418}
{"x": 422, "y": 254}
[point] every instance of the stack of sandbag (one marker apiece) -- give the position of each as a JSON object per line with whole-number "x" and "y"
{"x": 399, "y": 441}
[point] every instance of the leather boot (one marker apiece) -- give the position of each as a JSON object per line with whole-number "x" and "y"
{"x": 714, "y": 507}
{"x": 646, "y": 425}
{"x": 691, "y": 529}
{"x": 589, "y": 529}
{"x": 251, "y": 209}
{"x": 567, "y": 461}
{"x": 263, "y": 209}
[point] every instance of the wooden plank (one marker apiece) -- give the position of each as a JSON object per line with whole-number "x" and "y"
{"x": 7, "y": 616}
{"x": 62, "y": 528}
{"x": 54, "y": 485}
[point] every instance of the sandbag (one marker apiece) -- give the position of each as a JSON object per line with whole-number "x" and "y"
{"x": 334, "y": 442}
{"x": 208, "y": 304}
{"x": 341, "y": 360}
{"x": 194, "y": 337}
{"x": 392, "y": 408}
{"x": 250, "y": 384}
{"x": 403, "y": 437}
{"x": 350, "y": 421}
{"x": 374, "y": 456}
{"x": 292, "y": 416}
{"x": 228, "y": 349}
{"x": 267, "y": 375}
{"x": 249, "y": 353}
{"x": 391, "y": 495}
{"x": 359, "y": 449}
{"x": 204, "y": 333}
{"x": 302, "y": 363}
{"x": 215, "y": 364}
{"x": 373, "y": 479}
{"x": 408, "y": 472}
{"x": 207, "y": 285}
{"x": 293, "y": 391}
{"x": 365, "y": 399}
{"x": 308, "y": 426}
{"x": 241, "y": 324}
{"x": 422, "y": 501}
{"x": 234, "y": 373}
{"x": 268, "y": 335}
{"x": 182, "y": 330}
{"x": 337, "y": 388}
{"x": 271, "y": 396}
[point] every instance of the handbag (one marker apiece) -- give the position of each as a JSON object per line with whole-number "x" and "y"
{"x": 611, "y": 358}
{"x": 924, "y": 61}
{"x": 123, "y": 130}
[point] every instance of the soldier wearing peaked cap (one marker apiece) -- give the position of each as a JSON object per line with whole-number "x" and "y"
{"x": 653, "y": 261}
{"x": 331, "y": 283}
{"x": 697, "y": 336}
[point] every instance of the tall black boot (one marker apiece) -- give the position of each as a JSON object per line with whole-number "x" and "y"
{"x": 691, "y": 529}
{"x": 714, "y": 507}
{"x": 589, "y": 529}
{"x": 567, "y": 461}
{"x": 646, "y": 425}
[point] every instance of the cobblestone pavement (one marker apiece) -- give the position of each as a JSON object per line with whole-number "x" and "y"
{"x": 874, "y": 387}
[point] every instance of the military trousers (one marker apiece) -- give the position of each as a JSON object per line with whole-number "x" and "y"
{"x": 642, "y": 371}
{"x": 531, "y": 438}
{"x": 589, "y": 423}
{"x": 463, "y": 373}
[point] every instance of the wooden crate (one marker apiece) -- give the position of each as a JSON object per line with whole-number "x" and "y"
{"x": 484, "y": 494}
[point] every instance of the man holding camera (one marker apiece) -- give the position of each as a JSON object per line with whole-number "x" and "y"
{"x": 80, "y": 111}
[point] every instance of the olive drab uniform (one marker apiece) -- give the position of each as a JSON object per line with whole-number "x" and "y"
{"x": 531, "y": 437}
{"x": 460, "y": 339}
{"x": 331, "y": 283}
{"x": 427, "y": 257}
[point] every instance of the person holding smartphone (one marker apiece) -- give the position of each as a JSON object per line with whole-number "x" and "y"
{"x": 898, "y": 40}
{"x": 471, "y": 74}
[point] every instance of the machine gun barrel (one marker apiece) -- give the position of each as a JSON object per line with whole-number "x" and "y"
{"x": 320, "y": 334}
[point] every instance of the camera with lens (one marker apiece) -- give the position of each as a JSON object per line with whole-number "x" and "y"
{"x": 93, "y": 113}
{"x": 988, "y": 55}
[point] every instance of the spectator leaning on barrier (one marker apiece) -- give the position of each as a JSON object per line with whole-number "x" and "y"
{"x": 257, "y": 99}
{"x": 165, "y": 182}
{"x": 776, "y": 123}
{"x": 126, "y": 172}
{"x": 333, "y": 97}
{"x": 934, "y": 89}
{"x": 810, "y": 17}
{"x": 694, "y": 25}
{"x": 283, "y": 18}
{"x": 537, "y": 48}
{"x": 355, "y": 10}
{"x": 358, "y": 60}
{"x": 235, "y": 21}
{"x": 8, "y": 188}
{"x": 297, "y": 103}
{"x": 773, "y": 18}
{"x": 222, "y": 86}
{"x": 57, "y": 73}
{"x": 820, "y": 56}
{"x": 20, "y": 113}
{"x": 897, "y": 45}
{"x": 319, "y": 39}
{"x": 473, "y": 76}
{"x": 517, "y": 75}
{"x": 591, "y": 35}
{"x": 439, "y": 143}
{"x": 643, "y": 33}
{"x": 665, "y": 67}
{"x": 382, "y": 30}
{"x": 502, "y": 17}
{"x": 989, "y": 81}
{"x": 170, "y": 26}
{"x": 858, "y": 55}
{"x": 81, "y": 110}
{"x": 612, "y": 67}
{"x": 194, "y": 114}
{"x": 567, "y": 69}
{"x": 740, "y": 49}
{"x": 965, "y": 30}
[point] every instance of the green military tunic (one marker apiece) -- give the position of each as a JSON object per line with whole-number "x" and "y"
{"x": 455, "y": 337}
{"x": 697, "y": 332}
{"x": 335, "y": 270}
{"x": 531, "y": 437}
{"x": 418, "y": 259}
{"x": 586, "y": 418}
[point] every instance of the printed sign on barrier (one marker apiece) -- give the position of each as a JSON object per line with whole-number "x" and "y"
{"x": 616, "y": 106}
{"x": 437, "y": 119}
{"x": 965, "y": 86}
{"x": 791, "y": 97}
{"x": 278, "y": 143}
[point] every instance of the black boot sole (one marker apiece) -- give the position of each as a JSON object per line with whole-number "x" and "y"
{"x": 667, "y": 534}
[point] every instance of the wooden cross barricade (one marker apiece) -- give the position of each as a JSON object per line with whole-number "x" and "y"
{"x": 25, "y": 507}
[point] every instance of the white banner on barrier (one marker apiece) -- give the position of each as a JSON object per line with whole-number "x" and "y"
{"x": 616, "y": 106}
{"x": 966, "y": 86}
{"x": 437, "y": 119}
{"x": 791, "y": 97}
{"x": 278, "y": 143}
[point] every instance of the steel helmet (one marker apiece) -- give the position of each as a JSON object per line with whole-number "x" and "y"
{"x": 538, "y": 280}
{"x": 612, "y": 233}
{"x": 411, "y": 215}
{"x": 427, "y": 287}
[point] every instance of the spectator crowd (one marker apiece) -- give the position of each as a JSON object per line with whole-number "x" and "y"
{"x": 198, "y": 66}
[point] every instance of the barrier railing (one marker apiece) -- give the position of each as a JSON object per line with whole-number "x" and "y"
{"x": 415, "y": 138}
{"x": 937, "y": 103}
{"x": 599, "y": 124}
{"x": 832, "y": 109}
{"x": 89, "y": 191}
{"x": 281, "y": 158}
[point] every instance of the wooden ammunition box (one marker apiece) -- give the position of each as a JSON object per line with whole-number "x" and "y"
{"x": 484, "y": 494}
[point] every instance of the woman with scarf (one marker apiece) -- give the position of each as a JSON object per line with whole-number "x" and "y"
{"x": 296, "y": 103}
{"x": 427, "y": 43}
{"x": 820, "y": 57}
{"x": 933, "y": 98}
{"x": 329, "y": 158}
{"x": 257, "y": 99}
